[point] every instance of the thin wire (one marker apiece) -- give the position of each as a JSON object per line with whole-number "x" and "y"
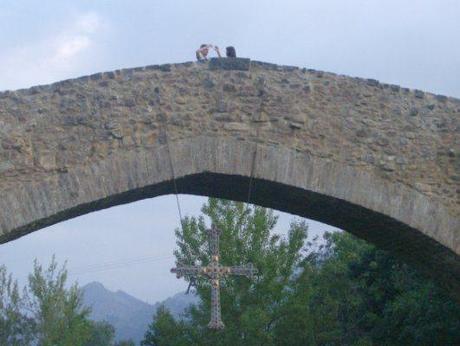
{"x": 177, "y": 201}
{"x": 171, "y": 166}
{"x": 174, "y": 181}
{"x": 111, "y": 263}
{"x": 252, "y": 173}
{"x": 114, "y": 266}
{"x": 254, "y": 156}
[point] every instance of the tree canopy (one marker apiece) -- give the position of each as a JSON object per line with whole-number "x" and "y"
{"x": 47, "y": 313}
{"x": 335, "y": 291}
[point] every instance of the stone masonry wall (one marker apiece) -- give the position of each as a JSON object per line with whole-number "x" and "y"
{"x": 56, "y": 138}
{"x": 402, "y": 135}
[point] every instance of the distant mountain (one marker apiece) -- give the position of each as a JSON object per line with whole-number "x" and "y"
{"x": 130, "y": 316}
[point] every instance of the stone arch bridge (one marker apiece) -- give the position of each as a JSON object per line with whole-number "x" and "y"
{"x": 377, "y": 160}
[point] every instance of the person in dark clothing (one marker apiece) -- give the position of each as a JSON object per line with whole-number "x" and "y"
{"x": 231, "y": 52}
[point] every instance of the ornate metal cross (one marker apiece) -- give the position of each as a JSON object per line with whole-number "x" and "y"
{"x": 214, "y": 272}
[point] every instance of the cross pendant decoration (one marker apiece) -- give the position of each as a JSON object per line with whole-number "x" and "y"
{"x": 214, "y": 272}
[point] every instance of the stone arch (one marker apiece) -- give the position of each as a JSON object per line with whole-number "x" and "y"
{"x": 82, "y": 145}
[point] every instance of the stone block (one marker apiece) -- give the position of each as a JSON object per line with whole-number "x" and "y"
{"x": 5, "y": 166}
{"x": 234, "y": 64}
{"x": 165, "y": 68}
{"x": 265, "y": 65}
{"x": 413, "y": 111}
{"x": 295, "y": 126}
{"x": 441, "y": 98}
{"x": 296, "y": 117}
{"x": 229, "y": 87}
{"x": 236, "y": 126}
{"x": 372, "y": 82}
{"x": 419, "y": 94}
{"x": 287, "y": 68}
{"x": 96, "y": 76}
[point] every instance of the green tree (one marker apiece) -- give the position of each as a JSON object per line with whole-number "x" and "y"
{"x": 15, "y": 326}
{"x": 57, "y": 311}
{"x": 250, "y": 310}
{"x": 101, "y": 334}
{"x": 125, "y": 343}
{"x": 356, "y": 294}
{"x": 164, "y": 330}
{"x": 400, "y": 305}
{"x": 47, "y": 313}
{"x": 341, "y": 291}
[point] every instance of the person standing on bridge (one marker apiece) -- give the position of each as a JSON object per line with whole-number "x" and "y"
{"x": 202, "y": 52}
{"x": 231, "y": 52}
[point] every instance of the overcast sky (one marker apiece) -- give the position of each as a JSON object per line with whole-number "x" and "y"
{"x": 413, "y": 43}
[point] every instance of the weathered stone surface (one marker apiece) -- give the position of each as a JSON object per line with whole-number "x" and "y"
{"x": 6, "y": 166}
{"x": 241, "y": 64}
{"x": 336, "y": 149}
{"x": 372, "y": 82}
{"x": 419, "y": 94}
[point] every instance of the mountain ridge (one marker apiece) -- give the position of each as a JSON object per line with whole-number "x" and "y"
{"x": 129, "y": 315}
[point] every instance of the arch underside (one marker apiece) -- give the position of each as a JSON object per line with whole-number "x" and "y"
{"x": 390, "y": 216}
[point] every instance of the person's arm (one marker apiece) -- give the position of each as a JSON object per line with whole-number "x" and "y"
{"x": 199, "y": 55}
{"x": 217, "y": 51}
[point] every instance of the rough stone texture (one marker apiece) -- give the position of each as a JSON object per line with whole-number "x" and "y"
{"x": 240, "y": 64}
{"x": 380, "y": 161}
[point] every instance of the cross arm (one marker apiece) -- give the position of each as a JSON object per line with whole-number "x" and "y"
{"x": 182, "y": 270}
{"x": 214, "y": 234}
{"x": 216, "y": 318}
{"x": 247, "y": 270}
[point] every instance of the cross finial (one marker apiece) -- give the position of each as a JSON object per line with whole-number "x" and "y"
{"x": 214, "y": 272}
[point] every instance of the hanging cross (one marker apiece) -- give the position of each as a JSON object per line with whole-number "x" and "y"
{"x": 214, "y": 272}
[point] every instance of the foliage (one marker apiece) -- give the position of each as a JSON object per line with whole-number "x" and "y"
{"x": 15, "y": 327}
{"x": 165, "y": 330}
{"x": 249, "y": 309}
{"x": 47, "y": 313}
{"x": 125, "y": 343}
{"x": 101, "y": 334}
{"x": 58, "y": 313}
{"x": 342, "y": 291}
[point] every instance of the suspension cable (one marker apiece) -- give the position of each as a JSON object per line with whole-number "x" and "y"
{"x": 261, "y": 93}
{"x": 164, "y": 129}
{"x": 173, "y": 174}
{"x": 253, "y": 164}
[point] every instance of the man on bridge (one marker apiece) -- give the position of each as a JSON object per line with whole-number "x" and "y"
{"x": 202, "y": 52}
